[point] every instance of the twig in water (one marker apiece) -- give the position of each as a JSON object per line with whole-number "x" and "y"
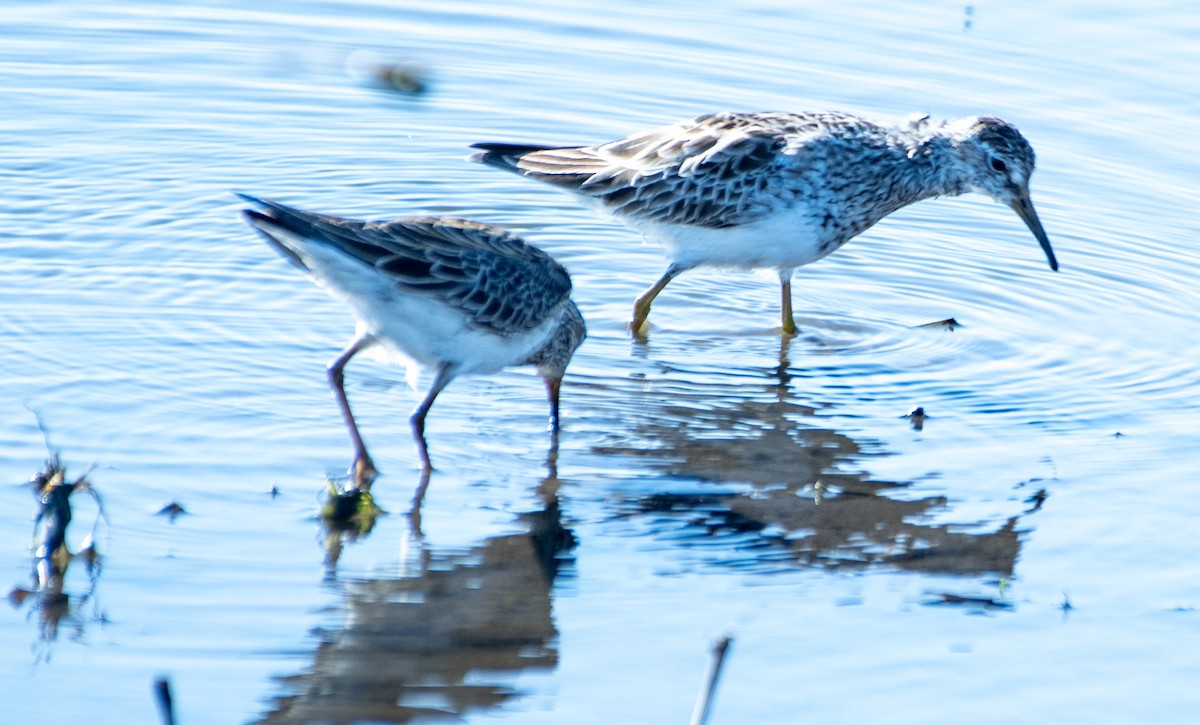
{"x": 162, "y": 695}
{"x": 704, "y": 703}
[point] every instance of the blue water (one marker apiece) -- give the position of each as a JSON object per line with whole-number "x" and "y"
{"x": 707, "y": 481}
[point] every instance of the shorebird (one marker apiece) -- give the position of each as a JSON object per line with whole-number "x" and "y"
{"x": 777, "y": 190}
{"x": 449, "y": 295}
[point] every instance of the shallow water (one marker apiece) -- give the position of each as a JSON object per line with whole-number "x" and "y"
{"x": 707, "y": 481}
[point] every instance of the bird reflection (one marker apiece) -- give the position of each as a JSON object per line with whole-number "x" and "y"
{"x": 442, "y": 638}
{"x": 349, "y": 512}
{"x": 785, "y": 494}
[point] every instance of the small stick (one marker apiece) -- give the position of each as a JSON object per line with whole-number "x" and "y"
{"x": 162, "y": 695}
{"x": 704, "y": 703}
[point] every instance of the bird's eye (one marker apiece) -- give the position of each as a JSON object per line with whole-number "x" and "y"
{"x": 999, "y": 165}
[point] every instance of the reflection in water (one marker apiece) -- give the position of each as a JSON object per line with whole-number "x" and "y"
{"x": 787, "y": 497}
{"x": 830, "y": 530}
{"x": 442, "y": 639}
{"x": 349, "y": 511}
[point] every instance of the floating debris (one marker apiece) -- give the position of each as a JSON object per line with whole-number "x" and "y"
{"x": 949, "y": 324}
{"x": 347, "y": 513}
{"x": 983, "y": 603}
{"x": 172, "y": 511}
{"x": 408, "y": 78}
{"x": 51, "y": 555}
{"x": 53, "y": 495}
{"x": 1036, "y": 500}
{"x": 917, "y": 417}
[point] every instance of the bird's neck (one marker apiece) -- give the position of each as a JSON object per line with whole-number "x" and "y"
{"x": 910, "y": 163}
{"x": 929, "y": 165}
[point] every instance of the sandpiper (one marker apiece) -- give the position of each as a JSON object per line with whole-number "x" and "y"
{"x": 449, "y": 295}
{"x": 778, "y": 190}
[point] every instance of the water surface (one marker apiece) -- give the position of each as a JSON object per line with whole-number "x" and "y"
{"x": 1028, "y": 553}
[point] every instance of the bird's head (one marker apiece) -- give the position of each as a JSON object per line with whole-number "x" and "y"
{"x": 998, "y": 162}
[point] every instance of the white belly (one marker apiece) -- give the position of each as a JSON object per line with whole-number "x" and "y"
{"x": 782, "y": 241}
{"x": 416, "y": 328}
{"x": 427, "y": 332}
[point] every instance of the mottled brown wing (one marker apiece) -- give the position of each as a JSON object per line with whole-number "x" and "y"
{"x": 494, "y": 277}
{"x": 710, "y": 171}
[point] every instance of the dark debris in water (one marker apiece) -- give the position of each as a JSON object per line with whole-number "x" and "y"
{"x": 349, "y": 509}
{"x": 1036, "y": 500}
{"x": 400, "y": 76}
{"x": 347, "y": 514}
{"x": 949, "y": 324}
{"x": 917, "y": 416}
{"x": 968, "y": 602}
{"x": 172, "y": 511}
{"x": 52, "y": 555}
{"x": 53, "y": 494}
{"x": 410, "y": 79}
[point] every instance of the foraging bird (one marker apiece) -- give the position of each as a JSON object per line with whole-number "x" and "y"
{"x": 453, "y": 296}
{"x": 778, "y": 190}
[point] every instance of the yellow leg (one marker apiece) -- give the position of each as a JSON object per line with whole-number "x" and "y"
{"x": 641, "y": 306}
{"x": 788, "y": 323}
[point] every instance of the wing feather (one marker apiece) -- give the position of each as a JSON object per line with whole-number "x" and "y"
{"x": 709, "y": 171}
{"x": 495, "y": 278}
